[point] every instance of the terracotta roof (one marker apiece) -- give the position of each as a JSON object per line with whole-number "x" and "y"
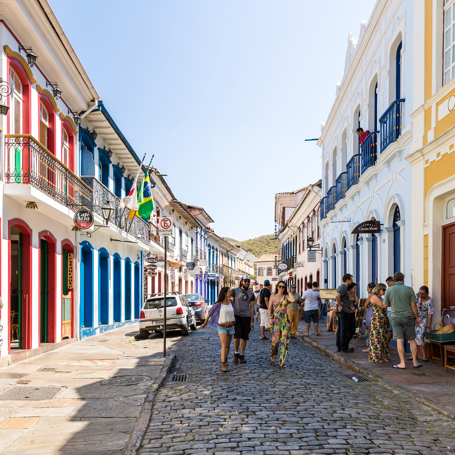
{"x": 267, "y": 258}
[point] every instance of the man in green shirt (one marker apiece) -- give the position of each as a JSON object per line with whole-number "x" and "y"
{"x": 293, "y": 311}
{"x": 402, "y": 300}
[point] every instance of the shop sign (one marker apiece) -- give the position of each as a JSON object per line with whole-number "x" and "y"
{"x": 70, "y": 283}
{"x": 311, "y": 255}
{"x": 203, "y": 263}
{"x": 190, "y": 265}
{"x": 83, "y": 219}
{"x": 274, "y": 279}
{"x": 367, "y": 227}
{"x": 328, "y": 293}
{"x": 211, "y": 276}
{"x": 282, "y": 266}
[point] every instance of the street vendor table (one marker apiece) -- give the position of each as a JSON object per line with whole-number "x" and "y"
{"x": 441, "y": 345}
{"x": 449, "y": 353}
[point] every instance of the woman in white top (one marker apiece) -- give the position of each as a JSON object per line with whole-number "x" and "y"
{"x": 221, "y": 315}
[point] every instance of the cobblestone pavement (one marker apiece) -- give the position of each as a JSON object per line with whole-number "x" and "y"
{"x": 308, "y": 408}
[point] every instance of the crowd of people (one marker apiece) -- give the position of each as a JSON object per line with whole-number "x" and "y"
{"x": 279, "y": 313}
{"x": 392, "y": 309}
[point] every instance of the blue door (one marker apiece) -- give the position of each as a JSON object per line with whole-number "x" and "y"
{"x": 87, "y": 285}
{"x": 345, "y": 267}
{"x": 127, "y": 290}
{"x": 357, "y": 263}
{"x": 396, "y": 241}
{"x": 334, "y": 270}
{"x": 398, "y": 72}
{"x": 137, "y": 290}
{"x": 103, "y": 277}
{"x": 374, "y": 259}
{"x": 117, "y": 289}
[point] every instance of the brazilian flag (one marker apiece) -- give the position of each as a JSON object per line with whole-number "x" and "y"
{"x": 145, "y": 199}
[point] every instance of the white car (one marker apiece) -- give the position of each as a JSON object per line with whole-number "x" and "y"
{"x": 179, "y": 315}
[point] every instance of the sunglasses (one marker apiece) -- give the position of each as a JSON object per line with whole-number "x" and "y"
{"x": 281, "y": 286}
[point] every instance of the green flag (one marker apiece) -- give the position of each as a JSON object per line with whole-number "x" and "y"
{"x": 145, "y": 199}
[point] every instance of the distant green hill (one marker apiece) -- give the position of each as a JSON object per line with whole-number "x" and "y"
{"x": 259, "y": 245}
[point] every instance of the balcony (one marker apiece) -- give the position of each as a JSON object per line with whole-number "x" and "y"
{"x": 391, "y": 123}
{"x": 323, "y": 207}
{"x": 331, "y": 198}
{"x": 368, "y": 151}
{"x": 290, "y": 262}
{"x": 28, "y": 162}
{"x": 213, "y": 268}
{"x": 183, "y": 255}
{"x": 198, "y": 253}
{"x": 353, "y": 170}
{"x": 136, "y": 227}
{"x": 341, "y": 186}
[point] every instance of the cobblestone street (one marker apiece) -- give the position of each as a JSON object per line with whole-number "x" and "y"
{"x": 308, "y": 408}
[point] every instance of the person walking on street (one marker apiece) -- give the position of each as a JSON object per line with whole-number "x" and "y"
{"x": 426, "y": 311}
{"x": 378, "y": 347}
{"x": 312, "y": 299}
{"x": 293, "y": 311}
{"x": 264, "y": 300}
{"x": 344, "y": 309}
{"x": 221, "y": 315}
{"x": 279, "y": 322}
{"x": 405, "y": 318}
{"x": 243, "y": 301}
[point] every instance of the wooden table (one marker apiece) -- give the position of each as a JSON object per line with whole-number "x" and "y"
{"x": 441, "y": 345}
{"x": 449, "y": 353}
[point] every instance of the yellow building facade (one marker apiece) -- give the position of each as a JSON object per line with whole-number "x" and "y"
{"x": 433, "y": 152}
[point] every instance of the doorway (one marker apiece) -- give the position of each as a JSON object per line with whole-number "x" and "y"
{"x": 448, "y": 265}
{"x": 86, "y": 285}
{"x": 44, "y": 294}
{"x": 67, "y": 292}
{"x": 117, "y": 288}
{"x": 137, "y": 290}
{"x": 128, "y": 274}
{"x": 103, "y": 270}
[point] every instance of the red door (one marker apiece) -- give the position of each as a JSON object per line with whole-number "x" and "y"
{"x": 448, "y": 265}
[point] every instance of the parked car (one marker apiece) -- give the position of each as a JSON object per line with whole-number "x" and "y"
{"x": 199, "y": 306}
{"x": 179, "y": 315}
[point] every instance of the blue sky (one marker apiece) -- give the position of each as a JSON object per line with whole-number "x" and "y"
{"x": 223, "y": 92}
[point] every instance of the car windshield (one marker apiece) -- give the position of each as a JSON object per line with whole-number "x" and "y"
{"x": 193, "y": 297}
{"x": 159, "y": 303}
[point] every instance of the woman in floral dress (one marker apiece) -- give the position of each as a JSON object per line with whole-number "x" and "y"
{"x": 279, "y": 322}
{"x": 426, "y": 311}
{"x": 368, "y": 313}
{"x": 378, "y": 348}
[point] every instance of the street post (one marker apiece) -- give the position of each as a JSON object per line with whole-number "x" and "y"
{"x": 165, "y": 291}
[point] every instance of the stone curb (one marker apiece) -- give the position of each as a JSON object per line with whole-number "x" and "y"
{"x": 347, "y": 364}
{"x": 144, "y": 417}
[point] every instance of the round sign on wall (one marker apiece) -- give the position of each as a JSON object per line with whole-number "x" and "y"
{"x": 83, "y": 219}
{"x": 282, "y": 266}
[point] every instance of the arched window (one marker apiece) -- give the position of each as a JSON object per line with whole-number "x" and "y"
{"x": 314, "y": 226}
{"x": 104, "y": 170}
{"x": 67, "y": 155}
{"x": 334, "y": 267}
{"x": 269, "y": 271}
{"x": 303, "y": 237}
{"x": 343, "y": 249}
{"x": 260, "y": 271}
{"x": 65, "y": 147}
{"x": 17, "y": 102}
{"x": 396, "y": 241}
{"x": 344, "y": 150}
{"x": 374, "y": 259}
{"x": 117, "y": 182}
{"x": 334, "y": 166}
{"x": 47, "y": 125}
{"x": 318, "y": 278}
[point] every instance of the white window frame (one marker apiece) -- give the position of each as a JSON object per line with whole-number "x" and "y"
{"x": 65, "y": 146}
{"x": 15, "y": 95}
{"x": 448, "y": 49}
{"x": 45, "y": 122}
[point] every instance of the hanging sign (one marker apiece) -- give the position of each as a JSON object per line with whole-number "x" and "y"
{"x": 367, "y": 227}
{"x": 311, "y": 255}
{"x": 70, "y": 283}
{"x": 83, "y": 219}
{"x": 190, "y": 265}
{"x": 282, "y": 266}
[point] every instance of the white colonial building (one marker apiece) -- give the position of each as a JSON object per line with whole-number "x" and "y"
{"x": 370, "y": 181}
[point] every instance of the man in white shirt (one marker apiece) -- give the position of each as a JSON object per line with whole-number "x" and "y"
{"x": 312, "y": 299}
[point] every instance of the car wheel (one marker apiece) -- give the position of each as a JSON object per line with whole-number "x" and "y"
{"x": 193, "y": 326}
{"x": 185, "y": 329}
{"x": 143, "y": 334}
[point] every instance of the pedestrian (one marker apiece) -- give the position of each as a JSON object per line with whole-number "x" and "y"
{"x": 279, "y": 322}
{"x": 378, "y": 348}
{"x": 221, "y": 315}
{"x": 293, "y": 310}
{"x": 243, "y": 300}
{"x": 389, "y": 282}
{"x": 405, "y": 317}
{"x": 369, "y": 313}
{"x": 264, "y": 300}
{"x": 344, "y": 309}
{"x": 312, "y": 299}
{"x": 352, "y": 289}
{"x": 426, "y": 311}
{"x": 362, "y": 135}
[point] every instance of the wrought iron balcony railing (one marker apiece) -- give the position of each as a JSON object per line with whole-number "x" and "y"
{"x": 331, "y": 198}
{"x": 369, "y": 151}
{"x": 290, "y": 262}
{"x": 29, "y": 162}
{"x": 323, "y": 207}
{"x": 353, "y": 170}
{"x": 136, "y": 226}
{"x": 341, "y": 186}
{"x": 183, "y": 255}
{"x": 391, "y": 123}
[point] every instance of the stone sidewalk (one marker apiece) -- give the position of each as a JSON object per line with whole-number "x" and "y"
{"x": 428, "y": 384}
{"x": 66, "y": 408}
